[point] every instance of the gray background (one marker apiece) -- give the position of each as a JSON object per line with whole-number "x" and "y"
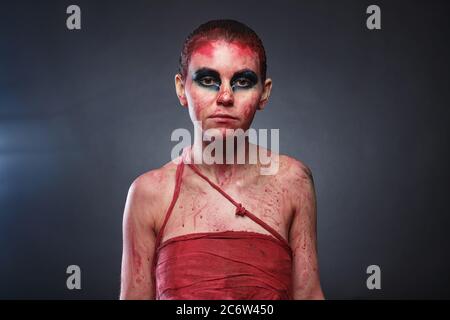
{"x": 82, "y": 113}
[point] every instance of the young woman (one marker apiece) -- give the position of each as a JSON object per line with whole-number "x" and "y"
{"x": 196, "y": 230}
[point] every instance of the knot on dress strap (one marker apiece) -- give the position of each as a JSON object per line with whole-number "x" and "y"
{"x": 240, "y": 210}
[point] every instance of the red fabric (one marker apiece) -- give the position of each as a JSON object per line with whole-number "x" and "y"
{"x": 238, "y": 265}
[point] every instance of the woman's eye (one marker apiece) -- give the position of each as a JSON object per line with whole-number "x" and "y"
{"x": 208, "y": 81}
{"x": 242, "y": 83}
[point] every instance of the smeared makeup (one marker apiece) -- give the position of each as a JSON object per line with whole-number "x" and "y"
{"x": 244, "y": 79}
{"x": 210, "y": 79}
{"x": 207, "y": 78}
{"x": 224, "y": 74}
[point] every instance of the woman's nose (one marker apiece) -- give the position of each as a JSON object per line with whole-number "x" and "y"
{"x": 225, "y": 96}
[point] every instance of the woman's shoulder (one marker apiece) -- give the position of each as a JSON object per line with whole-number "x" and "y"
{"x": 292, "y": 173}
{"x": 298, "y": 178}
{"x": 293, "y": 166}
{"x": 155, "y": 184}
{"x": 286, "y": 166}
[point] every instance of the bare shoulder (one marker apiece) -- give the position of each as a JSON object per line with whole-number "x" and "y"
{"x": 286, "y": 167}
{"x": 154, "y": 182}
{"x": 298, "y": 178}
{"x": 292, "y": 168}
{"x": 149, "y": 194}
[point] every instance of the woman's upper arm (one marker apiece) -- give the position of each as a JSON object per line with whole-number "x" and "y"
{"x": 138, "y": 241}
{"x": 303, "y": 239}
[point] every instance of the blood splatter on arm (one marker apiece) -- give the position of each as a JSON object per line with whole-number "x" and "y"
{"x": 143, "y": 205}
{"x": 302, "y": 234}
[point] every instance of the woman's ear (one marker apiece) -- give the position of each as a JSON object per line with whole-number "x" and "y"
{"x": 179, "y": 87}
{"x": 267, "y": 87}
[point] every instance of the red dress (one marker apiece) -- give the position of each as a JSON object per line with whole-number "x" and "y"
{"x": 237, "y": 265}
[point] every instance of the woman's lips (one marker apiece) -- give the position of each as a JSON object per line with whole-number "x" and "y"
{"x": 222, "y": 117}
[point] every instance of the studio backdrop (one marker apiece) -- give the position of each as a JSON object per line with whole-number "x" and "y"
{"x": 84, "y": 111}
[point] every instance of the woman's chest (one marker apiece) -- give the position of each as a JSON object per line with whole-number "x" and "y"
{"x": 205, "y": 209}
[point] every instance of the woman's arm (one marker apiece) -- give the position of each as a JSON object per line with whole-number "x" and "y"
{"x": 302, "y": 236}
{"x": 138, "y": 240}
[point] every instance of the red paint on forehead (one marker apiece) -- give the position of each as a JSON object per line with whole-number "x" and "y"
{"x": 206, "y": 47}
{"x": 244, "y": 48}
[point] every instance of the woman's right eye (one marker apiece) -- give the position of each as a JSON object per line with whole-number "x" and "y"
{"x": 207, "y": 81}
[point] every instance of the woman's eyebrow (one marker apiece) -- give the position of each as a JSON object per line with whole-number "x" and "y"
{"x": 245, "y": 73}
{"x": 202, "y": 72}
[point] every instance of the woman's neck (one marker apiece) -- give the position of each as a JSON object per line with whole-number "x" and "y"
{"x": 223, "y": 163}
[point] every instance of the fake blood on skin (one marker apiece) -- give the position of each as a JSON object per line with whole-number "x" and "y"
{"x": 206, "y": 47}
{"x": 245, "y": 104}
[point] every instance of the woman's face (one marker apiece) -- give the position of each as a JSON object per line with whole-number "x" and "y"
{"x": 223, "y": 87}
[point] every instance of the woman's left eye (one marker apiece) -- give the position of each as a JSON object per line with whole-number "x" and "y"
{"x": 242, "y": 82}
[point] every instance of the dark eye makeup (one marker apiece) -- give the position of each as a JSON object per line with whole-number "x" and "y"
{"x": 209, "y": 78}
{"x": 244, "y": 80}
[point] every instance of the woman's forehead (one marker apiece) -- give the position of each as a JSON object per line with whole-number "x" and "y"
{"x": 224, "y": 56}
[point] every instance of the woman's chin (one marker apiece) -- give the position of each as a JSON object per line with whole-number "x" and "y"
{"x": 222, "y": 132}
